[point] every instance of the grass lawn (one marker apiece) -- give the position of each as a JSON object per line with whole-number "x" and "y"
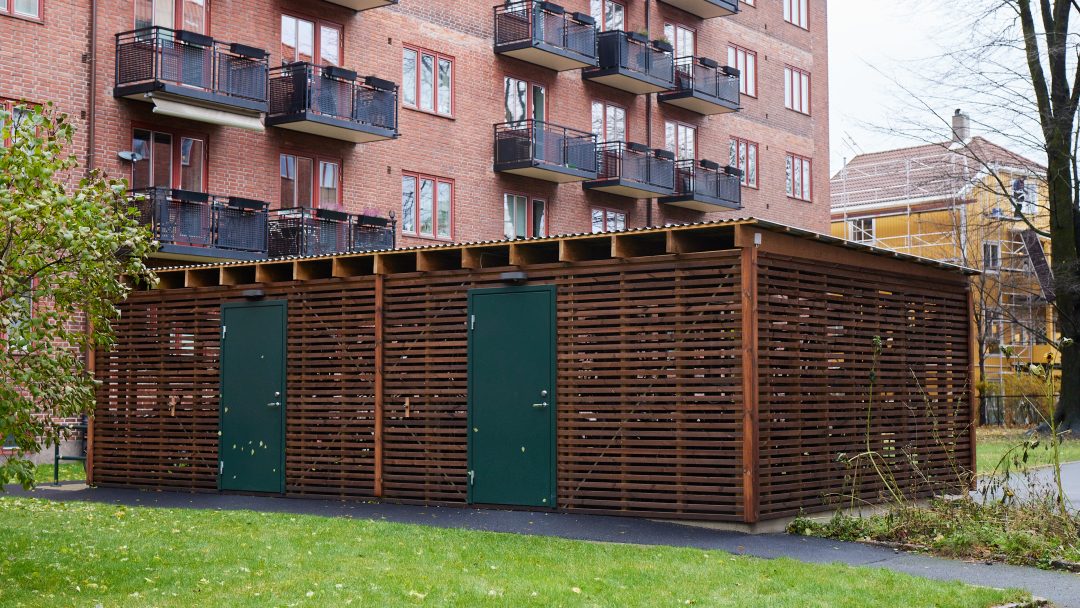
{"x": 69, "y": 471}
{"x": 993, "y": 442}
{"x": 78, "y": 554}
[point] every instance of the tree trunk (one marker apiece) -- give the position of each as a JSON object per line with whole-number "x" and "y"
{"x": 1064, "y": 257}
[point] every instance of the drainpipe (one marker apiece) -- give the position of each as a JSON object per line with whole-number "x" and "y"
{"x": 648, "y": 119}
{"x": 91, "y": 114}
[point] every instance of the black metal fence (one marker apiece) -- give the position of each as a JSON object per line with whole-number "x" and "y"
{"x": 537, "y": 141}
{"x": 159, "y": 54}
{"x": 196, "y": 219}
{"x": 635, "y": 162}
{"x": 304, "y": 231}
{"x": 707, "y": 77}
{"x": 708, "y": 179}
{"x": 297, "y": 88}
{"x": 626, "y": 50}
{"x": 546, "y": 22}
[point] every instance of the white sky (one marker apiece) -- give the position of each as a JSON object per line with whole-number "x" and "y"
{"x": 892, "y": 37}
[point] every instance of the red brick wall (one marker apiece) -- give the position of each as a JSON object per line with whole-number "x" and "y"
{"x": 244, "y": 163}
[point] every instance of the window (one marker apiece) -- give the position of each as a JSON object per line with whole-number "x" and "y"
{"x": 861, "y": 230}
{"x": 1026, "y": 196}
{"x": 15, "y": 111}
{"x": 798, "y": 177}
{"x": 744, "y": 156}
{"x": 169, "y": 161}
{"x": 22, "y": 8}
{"x": 524, "y": 100}
{"x": 682, "y": 38}
{"x": 746, "y": 62}
{"x": 609, "y": 15}
{"x": 680, "y": 139}
{"x": 309, "y": 182}
{"x": 796, "y": 90}
{"x": 524, "y": 219}
{"x": 606, "y": 220}
{"x": 608, "y": 122}
{"x": 796, "y": 13}
{"x": 427, "y": 206}
{"x": 427, "y": 81}
{"x": 301, "y": 38}
{"x": 748, "y": 2}
{"x": 991, "y": 255}
{"x": 190, "y": 15}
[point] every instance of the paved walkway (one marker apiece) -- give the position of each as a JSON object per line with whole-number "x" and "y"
{"x": 1061, "y": 588}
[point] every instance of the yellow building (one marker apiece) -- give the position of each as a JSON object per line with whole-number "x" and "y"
{"x": 960, "y": 201}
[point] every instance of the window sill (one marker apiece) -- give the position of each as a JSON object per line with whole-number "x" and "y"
{"x": 433, "y": 239}
{"x": 37, "y": 20}
{"x": 801, "y": 200}
{"x": 429, "y": 112}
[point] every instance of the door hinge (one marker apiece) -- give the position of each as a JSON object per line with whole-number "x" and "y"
{"x": 472, "y": 478}
{"x": 224, "y": 330}
{"x": 472, "y": 322}
{"x": 221, "y": 467}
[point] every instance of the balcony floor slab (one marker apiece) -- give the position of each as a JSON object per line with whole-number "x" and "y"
{"x": 328, "y": 126}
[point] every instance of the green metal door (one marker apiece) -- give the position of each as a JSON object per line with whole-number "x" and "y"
{"x": 512, "y": 396}
{"x": 252, "y": 450}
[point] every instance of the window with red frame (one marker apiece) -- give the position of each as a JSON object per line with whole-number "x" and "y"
{"x": 310, "y": 41}
{"x": 799, "y": 177}
{"x": 307, "y": 181}
{"x": 797, "y": 12}
{"x": 797, "y": 90}
{"x": 746, "y": 61}
{"x": 168, "y": 160}
{"x": 427, "y": 81}
{"x": 608, "y": 122}
{"x": 744, "y": 156}
{"x": 524, "y": 217}
{"x": 14, "y": 112}
{"x": 609, "y": 14}
{"x": 22, "y": 8}
{"x": 681, "y": 139}
{"x": 748, "y": 2}
{"x": 682, "y": 38}
{"x": 427, "y": 206}
{"x": 606, "y": 220}
{"x": 189, "y": 15}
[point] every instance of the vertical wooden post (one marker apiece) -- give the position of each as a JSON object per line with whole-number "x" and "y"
{"x": 749, "y": 308}
{"x": 91, "y": 368}
{"x": 379, "y": 300}
{"x": 973, "y": 379}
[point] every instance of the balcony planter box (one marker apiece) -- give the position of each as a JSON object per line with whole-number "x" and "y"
{"x": 663, "y": 45}
{"x": 583, "y": 19}
{"x": 332, "y": 71}
{"x": 638, "y": 37}
{"x": 250, "y": 52}
{"x": 552, "y": 8}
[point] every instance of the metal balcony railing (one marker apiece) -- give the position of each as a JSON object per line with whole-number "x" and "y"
{"x": 532, "y": 21}
{"x": 707, "y": 77}
{"x": 200, "y": 220}
{"x": 708, "y": 179}
{"x": 298, "y": 88}
{"x": 159, "y": 54}
{"x": 546, "y": 144}
{"x": 304, "y": 231}
{"x": 635, "y": 162}
{"x": 630, "y": 51}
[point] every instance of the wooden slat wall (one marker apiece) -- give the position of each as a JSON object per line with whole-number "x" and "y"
{"x": 817, "y": 325}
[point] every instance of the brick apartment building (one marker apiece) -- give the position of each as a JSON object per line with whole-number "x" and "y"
{"x": 479, "y": 120}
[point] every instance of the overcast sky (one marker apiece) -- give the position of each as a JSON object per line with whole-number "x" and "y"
{"x": 871, "y": 42}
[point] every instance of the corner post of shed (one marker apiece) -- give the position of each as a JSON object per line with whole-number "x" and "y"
{"x": 747, "y": 239}
{"x": 973, "y": 380}
{"x": 380, "y": 290}
{"x": 91, "y": 368}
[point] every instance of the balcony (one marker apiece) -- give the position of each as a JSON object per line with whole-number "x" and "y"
{"x": 188, "y": 75}
{"x": 545, "y": 151}
{"x": 705, "y": 186}
{"x": 703, "y": 86}
{"x": 195, "y": 226}
{"x": 543, "y": 34}
{"x": 707, "y": 9}
{"x": 627, "y": 61}
{"x": 363, "y": 5}
{"x": 305, "y": 231}
{"x": 328, "y": 101}
{"x": 633, "y": 170}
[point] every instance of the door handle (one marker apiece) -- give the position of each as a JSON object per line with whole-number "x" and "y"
{"x": 540, "y": 405}
{"x": 274, "y": 404}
